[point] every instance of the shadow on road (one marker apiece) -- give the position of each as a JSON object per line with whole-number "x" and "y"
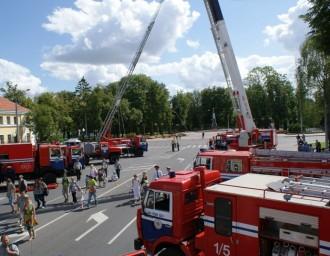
{"x": 68, "y": 206}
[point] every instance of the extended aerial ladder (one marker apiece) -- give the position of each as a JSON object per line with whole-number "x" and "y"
{"x": 249, "y": 134}
{"x": 106, "y": 127}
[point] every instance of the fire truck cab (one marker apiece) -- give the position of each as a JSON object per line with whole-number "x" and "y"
{"x": 170, "y": 215}
{"x": 266, "y": 215}
{"x": 249, "y": 215}
{"x": 264, "y": 161}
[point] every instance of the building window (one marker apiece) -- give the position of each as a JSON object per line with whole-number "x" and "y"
{"x": 2, "y": 139}
{"x": 223, "y": 216}
{"x": 9, "y": 138}
{"x": 15, "y": 120}
{"x": 1, "y": 119}
{"x": 8, "y": 119}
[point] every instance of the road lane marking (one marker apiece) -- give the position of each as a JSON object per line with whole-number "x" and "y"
{"x": 121, "y": 231}
{"x": 45, "y": 225}
{"x": 55, "y": 199}
{"x": 99, "y": 217}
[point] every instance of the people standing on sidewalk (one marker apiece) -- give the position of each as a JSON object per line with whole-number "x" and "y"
{"x": 91, "y": 186}
{"x": 22, "y": 184}
{"x": 11, "y": 194}
{"x": 30, "y": 219}
{"x": 65, "y": 188}
{"x": 74, "y": 188}
{"x": 77, "y": 166}
{"x": 136, "y": 188}
{"x": 117, "y": 168}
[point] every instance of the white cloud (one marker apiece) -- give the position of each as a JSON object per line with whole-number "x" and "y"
{"x": 193, "y": 44}
{"x": 93, "y": 73}
{"x": 109, "y": 31}
{"x": 17, "y": 74}
{"x": 188, "y": 74}
{"x": 291, "y": 31}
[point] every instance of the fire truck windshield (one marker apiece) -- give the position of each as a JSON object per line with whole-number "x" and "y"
{"x": 76, "y": 152}
{"x": 55, "y": 153}
{"x": 157, "y": 200}
{"x": 203, "y": 161}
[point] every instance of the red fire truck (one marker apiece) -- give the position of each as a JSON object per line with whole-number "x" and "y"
{"x": 264, "y": 161}
{"x": 189, "y": 215}
{"x": 44, "y": 160}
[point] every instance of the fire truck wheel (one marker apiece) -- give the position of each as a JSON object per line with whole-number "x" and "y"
{"x": 171, "y": 251}
{"x": 49, "y": 178}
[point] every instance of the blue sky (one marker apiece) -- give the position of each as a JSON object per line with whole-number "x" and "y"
{"x": 48, "y": 45}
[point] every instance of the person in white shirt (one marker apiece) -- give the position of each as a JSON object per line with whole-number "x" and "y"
{"x": 93, "y": 171}
{"x": 136, "y": 187}
{"x": 158, "y": 173}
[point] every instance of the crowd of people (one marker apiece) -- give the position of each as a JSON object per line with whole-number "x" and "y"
{"x": 26, "y": 210}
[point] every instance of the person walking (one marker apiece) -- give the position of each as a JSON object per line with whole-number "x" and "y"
{"x": 22, "y": 184}
{"x": 20, "y": 208}
{"x": 77, "y": 166}
{"x": 173, "y": 144}
{"x": 11, "y": 189}
{"x": 38, "y": 193}
{"x": 144, "y": 183}
{"x": 105, "y": 166}
{"x": 7, "y": 249}
{"x": 65, "y": 188}
{"x": 158, "y": 173}
{"x": 117, "y": 168}
{"x": 317, "y": 146}
{"x": 93, "y": 172}
{"x": 74, "y": 187}
{"x": 30, "y": 219}
{"x": 101, "y": 177}
{"x": 136, "y": 188}
{"x": 203, "y": 135}
{"x": 91, "y": 186}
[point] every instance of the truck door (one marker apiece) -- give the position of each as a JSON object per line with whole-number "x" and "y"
{"x": 157, "y": 220}
{"x": 225, "y": 227}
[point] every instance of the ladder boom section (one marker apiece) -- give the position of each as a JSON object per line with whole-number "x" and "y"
{"x": 229, "y": 64}
{"x": 122, "y": 88}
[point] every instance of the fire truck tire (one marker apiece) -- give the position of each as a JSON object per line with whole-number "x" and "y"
{"x": 49, "y": 178}
{"x": 171, "y": 251}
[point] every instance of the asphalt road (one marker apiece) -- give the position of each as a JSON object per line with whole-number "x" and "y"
{"x": 109, "y": 228}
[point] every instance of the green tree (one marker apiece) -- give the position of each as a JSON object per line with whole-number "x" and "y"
{"x": 317, "y": 69}
{"x": 181, "y": 103}
{"x": 216, "y": 98}
{"x": 11, "y": 92}
{"x": 45, "y": 118}
{"x": 278, "y": 93}
{"x": 318, "y": 18}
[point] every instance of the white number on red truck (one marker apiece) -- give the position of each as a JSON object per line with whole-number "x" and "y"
{"x": 222, "y": 249}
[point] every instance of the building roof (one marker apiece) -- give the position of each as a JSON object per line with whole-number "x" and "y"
{"x": 9, "y": 106}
